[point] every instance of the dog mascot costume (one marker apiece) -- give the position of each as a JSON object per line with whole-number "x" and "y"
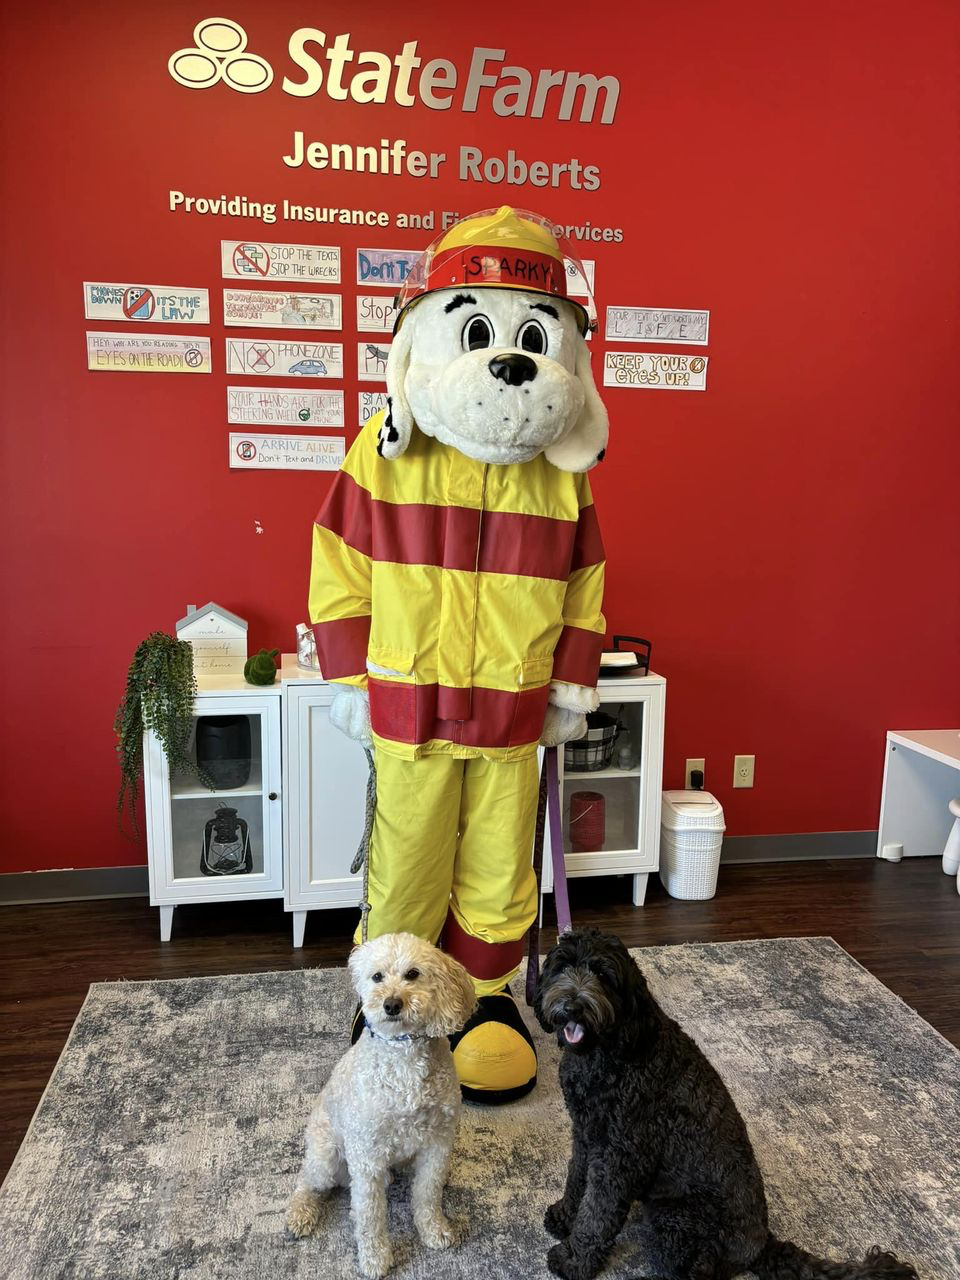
{"x": 455, "y": 594}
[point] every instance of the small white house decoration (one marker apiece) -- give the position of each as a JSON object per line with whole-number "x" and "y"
{"x": 219, "y": 640}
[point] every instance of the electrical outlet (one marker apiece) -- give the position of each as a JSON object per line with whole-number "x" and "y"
{"x": 743, "y": 770}
{"x": 689, "y": 767}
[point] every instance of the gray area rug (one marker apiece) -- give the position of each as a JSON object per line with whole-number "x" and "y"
{"x": 169, "y": 1137}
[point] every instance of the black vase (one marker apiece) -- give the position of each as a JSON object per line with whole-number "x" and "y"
{"x": 223, "y": 750}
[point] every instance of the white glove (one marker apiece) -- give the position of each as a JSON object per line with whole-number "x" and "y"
{"x": 561, "y": 725}
{"x": 350, "y": 713}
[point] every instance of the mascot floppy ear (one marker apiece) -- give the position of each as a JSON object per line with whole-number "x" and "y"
{"x": 398, "y": 420}
{"x": 584, "y": 445}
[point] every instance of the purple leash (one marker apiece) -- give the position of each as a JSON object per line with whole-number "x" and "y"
{"x": 548, "y": 808}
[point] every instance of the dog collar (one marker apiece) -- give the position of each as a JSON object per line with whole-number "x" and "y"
{"x": 394, "y": 1039}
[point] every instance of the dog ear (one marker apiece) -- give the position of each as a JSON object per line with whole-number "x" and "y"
{"x": 355, "y": 964}
{"x": 397, "y": 423}
{"x": 454, "y": 996}
{"x": 584, "y": 446}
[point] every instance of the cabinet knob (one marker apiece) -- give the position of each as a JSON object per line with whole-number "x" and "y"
{"x": 273, "y": 795}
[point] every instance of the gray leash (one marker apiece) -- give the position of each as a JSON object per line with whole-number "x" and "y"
{"x": 362, "y": 856}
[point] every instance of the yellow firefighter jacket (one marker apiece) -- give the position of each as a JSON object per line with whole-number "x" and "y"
{"x": 454, "y": 590}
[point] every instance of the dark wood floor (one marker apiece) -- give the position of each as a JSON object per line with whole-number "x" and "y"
{"x": 901, "y": 921}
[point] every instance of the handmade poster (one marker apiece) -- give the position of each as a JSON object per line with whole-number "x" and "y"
{"x": 657, "y": 324}
{"x": 147, "y": 353}
{"x": 384, "y": 268}
{"x": 154, "y": 303}
{"x": 654, "y": 370}
{"x": 577, "y": 281}
{"x": 263, "y": 357}
{"x": 372, "y": 361}
{"x": 253, "y": 308}
{"x": 369, "y": 403}
{"x": 284, "y": 407}
{"x": 282, "y": 452}
{"x": 257, "y": 260}
{"x": 375, "y": 313}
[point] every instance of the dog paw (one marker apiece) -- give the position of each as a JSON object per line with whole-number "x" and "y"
{"x": 438, "y": 1233}
{"x": 558, "y": 1220}
{"x": 564, "y": 1263}
{"x": 303, "y": 1215}
{"x": 374, "y": 1260}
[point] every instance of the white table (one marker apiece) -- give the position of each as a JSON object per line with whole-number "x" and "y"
{"x": 921, "y": 776}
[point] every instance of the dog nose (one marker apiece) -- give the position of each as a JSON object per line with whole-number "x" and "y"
{"x": 392, "y": 1006}
{"x": 514, "y": 369}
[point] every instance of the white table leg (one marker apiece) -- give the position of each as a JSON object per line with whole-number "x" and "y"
{"x": 299, "y": 927}
{"x": 166, "y": 923}
{"x": 640, "y": 888}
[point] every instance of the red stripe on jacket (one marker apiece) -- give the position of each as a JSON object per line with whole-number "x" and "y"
{"x": 576, "y": 659}
{"x": 452, "y": 537}
{"x": 342, "y": 646}
{"x": 497, "y": 717}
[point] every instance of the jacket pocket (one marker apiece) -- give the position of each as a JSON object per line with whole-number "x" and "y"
{"x": 390, "y": 664}
{"x": 534, "y": 671}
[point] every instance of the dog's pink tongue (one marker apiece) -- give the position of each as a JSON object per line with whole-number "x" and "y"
{"x": 573, "y": 1033}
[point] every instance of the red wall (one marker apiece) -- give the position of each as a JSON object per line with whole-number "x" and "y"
{"x": 788, "y": 539}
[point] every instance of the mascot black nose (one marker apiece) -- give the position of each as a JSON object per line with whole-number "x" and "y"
{"x": 513, "y": 369}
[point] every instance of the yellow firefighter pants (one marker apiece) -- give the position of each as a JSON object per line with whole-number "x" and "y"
{"x": 451, "y": 854}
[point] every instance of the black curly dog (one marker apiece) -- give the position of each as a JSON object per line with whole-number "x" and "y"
{"x": 653, "y": 1122}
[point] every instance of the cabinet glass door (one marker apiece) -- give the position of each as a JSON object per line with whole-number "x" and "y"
{"x": 223, "y": 816}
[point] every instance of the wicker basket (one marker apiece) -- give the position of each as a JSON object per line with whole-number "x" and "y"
{"x": 595, "y": 751}
{"x": 691, "y": 834}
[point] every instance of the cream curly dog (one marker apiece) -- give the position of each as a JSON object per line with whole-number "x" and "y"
{"x": 392, "y": 1099}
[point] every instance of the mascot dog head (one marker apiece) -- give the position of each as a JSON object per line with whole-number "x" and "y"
{"x": 489, "y": 354}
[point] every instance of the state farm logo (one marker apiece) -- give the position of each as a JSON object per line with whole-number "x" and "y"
{"x": 220, "y": 53}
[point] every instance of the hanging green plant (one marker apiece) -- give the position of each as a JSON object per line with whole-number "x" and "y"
{"x": 159, "y": 696}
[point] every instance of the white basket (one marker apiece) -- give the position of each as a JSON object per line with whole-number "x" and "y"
{"x": 691, "y": 835}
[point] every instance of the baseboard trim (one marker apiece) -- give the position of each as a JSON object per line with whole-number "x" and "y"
{"x": 813, "y": 847}
{"x": 20, "y": 887}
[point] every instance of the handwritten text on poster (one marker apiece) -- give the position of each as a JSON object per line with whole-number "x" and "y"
{"x": 256, "y": 260}
{"x": 252, "y": 308}
{"x": 154, "y": 303}
{"x": 262, "y": 357}
{"x": 654, "y": 369}
{"x": 147, "y": 353}
{"x": 375, "y": 313}
{"x": 284, "y": 407}
{"x": 369, "y": 403}
{"x": 285, "y": 452}
{"x": 384, "y": 268}
{"x": 657, "y": 324}
{"x": 372, "y": 361}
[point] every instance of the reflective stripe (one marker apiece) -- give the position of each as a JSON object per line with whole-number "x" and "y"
{"x": 576, "y": 659}
{"x": 342, "y": 646}
{"x": 498, "y": 718}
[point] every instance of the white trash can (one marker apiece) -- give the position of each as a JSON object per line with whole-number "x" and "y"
{"x": 691, "y": 833}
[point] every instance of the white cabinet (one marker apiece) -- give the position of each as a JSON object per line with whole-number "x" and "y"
{"x": 326, "y": 780}
{"x": 626, "y": 817}
{"x": 223, "y": 844}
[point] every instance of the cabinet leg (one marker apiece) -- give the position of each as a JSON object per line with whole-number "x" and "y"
{"x": 166, "y": 923}
{"x": 299, "y": 927}
{"x": 640, "y": 888}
